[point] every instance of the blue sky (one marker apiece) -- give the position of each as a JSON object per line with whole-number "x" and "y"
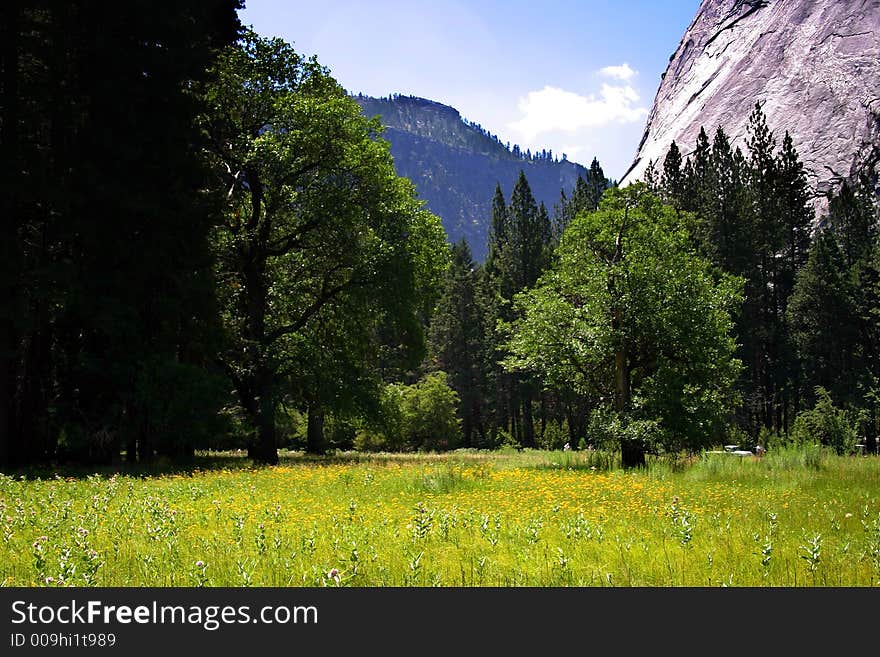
{"x": 575, "y": 77}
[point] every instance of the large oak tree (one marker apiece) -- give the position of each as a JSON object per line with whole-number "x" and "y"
{"x": 632, "y": 317}
{"x": 318, "y": 229}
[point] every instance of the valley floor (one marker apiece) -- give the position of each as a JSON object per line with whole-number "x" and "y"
{"x": 793, "y": 518}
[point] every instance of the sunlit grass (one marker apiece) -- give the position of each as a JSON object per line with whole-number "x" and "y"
{"x": 464, "y": 519}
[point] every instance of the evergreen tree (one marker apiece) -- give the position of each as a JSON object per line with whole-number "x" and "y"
{"x": 867, "y": 302}
{"x": 822, "y": 316}
{"x": 498, "y": 231}
{"x": 106, "y": 265}
{"x": 652, "y": 178}
{"x": 764, "y": 286}
{"x": 699, "y": 180}
{"x": 458, "y": 341}
{"x": 796, "y": 219}
{"x": 793, "y": 197}
{"x": 561, "y": 215}
{"x": 852, "y": 216}
{"x": 529, "y": 235}
{"x": 727, "y": 230}
{"x": 672, "y": 178}
{"x": 596, "y": 184}
{"x": 585, "y": 197}
{"x": 516, "y": 264}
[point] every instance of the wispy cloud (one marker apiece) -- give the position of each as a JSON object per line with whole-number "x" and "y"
{"x": 622, "y": 72}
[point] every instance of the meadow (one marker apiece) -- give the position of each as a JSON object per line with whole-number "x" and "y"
{"x": 791, "y": 518}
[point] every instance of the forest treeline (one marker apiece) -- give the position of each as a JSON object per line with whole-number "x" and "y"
{"x": 705, "y": 305}
{"x": 200, "y": 230}
{"x": 206, "y": 246}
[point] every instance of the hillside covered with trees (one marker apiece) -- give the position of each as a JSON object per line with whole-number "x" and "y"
{"x": 455, "y": 164}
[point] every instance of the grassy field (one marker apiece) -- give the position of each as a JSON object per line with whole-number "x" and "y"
{"x": 796, "y": 518}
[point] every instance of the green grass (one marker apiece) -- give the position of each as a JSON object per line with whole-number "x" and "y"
{"x": 530, "y": 518}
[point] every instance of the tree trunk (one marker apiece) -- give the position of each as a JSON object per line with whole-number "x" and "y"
{"x": 145, "y": 446}
{"x": 266, "y": 448}
{"x": 131, "y": 446}
{"x": 34, "y": 401}
{"x": 528, "y": 421}
{"x": 632, "y": 453}
{"x": 572, "y": 424}
{"x": 543, "y": 414}
{"x": 467, "y": 429}
{"x": 315, "y": 430}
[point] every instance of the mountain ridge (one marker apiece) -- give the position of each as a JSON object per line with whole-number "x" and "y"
{"x": 456, "y": 164}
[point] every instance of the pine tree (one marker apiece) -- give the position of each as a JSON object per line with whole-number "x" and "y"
{"x": 597, "y": 183}
{"x": 458, "y": 340}
{"x": 727, "y": 217}
{"x": 823, "y": 319}
{"x": 867, "y": 302}
{"x": 499, "y": 231}
{"x": 529, "y": 235}
{"x": 765, "y": 282}
{"x": 698, "y": 177}
{"x": 793, "y": 197}
{"x": 672, "y": 179}
{"x": 516, "y": 263}
{"x": 652, "y": 178}
{"x": 853, "y": 219}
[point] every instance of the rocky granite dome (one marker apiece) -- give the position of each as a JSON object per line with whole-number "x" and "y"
{"x": 455, "y": 164}
{"x": 814, "y": 65}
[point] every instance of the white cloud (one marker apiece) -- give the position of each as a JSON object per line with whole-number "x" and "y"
{"x": 552, "y": 109}
{"x": 622, "y": 72}
{"x": 572, "y": 151}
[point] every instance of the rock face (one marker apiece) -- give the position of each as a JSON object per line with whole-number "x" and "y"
{"x": 814, "y": 65}
{"x": 455, "y": 165}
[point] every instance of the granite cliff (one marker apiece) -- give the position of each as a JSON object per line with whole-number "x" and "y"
{"x": 814, "y": 65}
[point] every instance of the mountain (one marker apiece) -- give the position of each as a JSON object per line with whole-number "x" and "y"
{"x": 814, "y": 65}
{"x": 456, "y": 164}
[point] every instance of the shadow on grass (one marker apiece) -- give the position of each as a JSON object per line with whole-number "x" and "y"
{"x": 158, "y": 468}
{"x": 238, "y": 460}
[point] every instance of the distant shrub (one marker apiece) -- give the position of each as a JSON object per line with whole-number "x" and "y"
{"x": 429, "y": 414}
{"x": 826, "y": 424}
{"x": 555, "y": 436}
{"x": 417, "y": 417}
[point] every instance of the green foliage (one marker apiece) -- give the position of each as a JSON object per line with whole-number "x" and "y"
{"x": 327, "y": 261}
{"x": 419, "y": 417}
{"x": 822, "y": 319}
{"x": 459, "y": 341}
{"x": 631, "y": 299}
{"x": 826, "y": 424}
{"x": 672, "y": 182}
{"x": 104, "y": 253}
{"x": 608, "y": 430}
{"x": 179, "y": 406}
{"x": 554, "y": 436}
{"x": 429, "y": 414}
